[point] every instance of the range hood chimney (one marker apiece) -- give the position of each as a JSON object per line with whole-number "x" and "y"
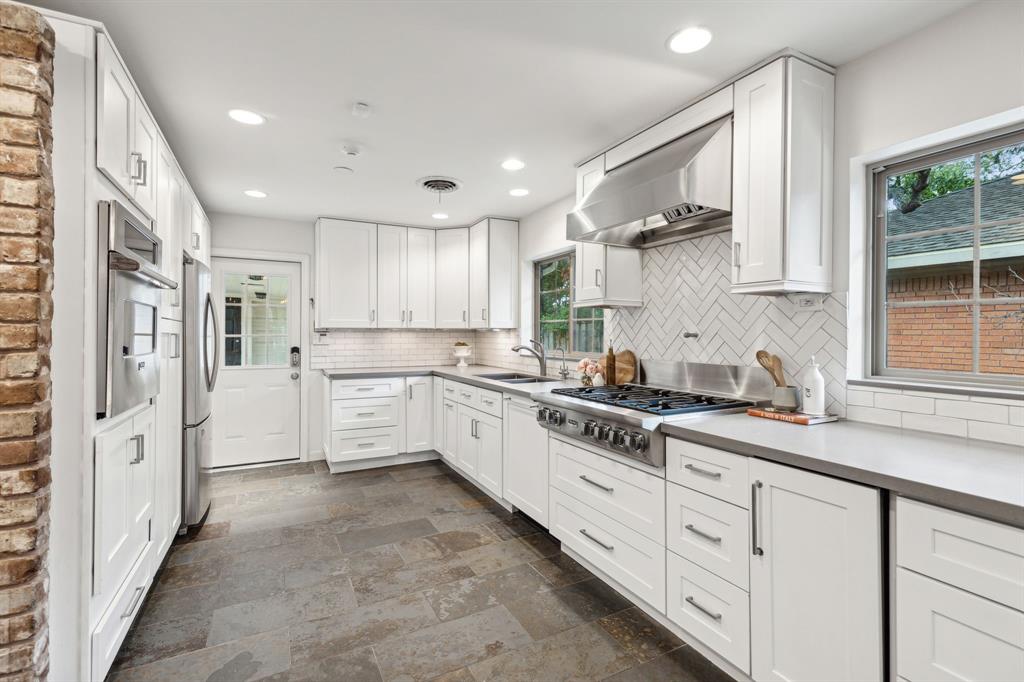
{"x": 679, "y": 191}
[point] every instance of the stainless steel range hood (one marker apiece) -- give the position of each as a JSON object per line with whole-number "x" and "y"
{"x": 678, "y": 191}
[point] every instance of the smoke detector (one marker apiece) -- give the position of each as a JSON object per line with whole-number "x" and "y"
{"x": 439, "y": 184}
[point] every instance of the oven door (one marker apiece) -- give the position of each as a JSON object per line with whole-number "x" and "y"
{"x": 134, "y": 367}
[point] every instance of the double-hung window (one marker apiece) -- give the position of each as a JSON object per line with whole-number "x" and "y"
{"x": 948, "y": 286}
{"x": 557, "y": 324}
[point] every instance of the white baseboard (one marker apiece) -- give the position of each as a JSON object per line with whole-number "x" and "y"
{"x": 376, "y": 463}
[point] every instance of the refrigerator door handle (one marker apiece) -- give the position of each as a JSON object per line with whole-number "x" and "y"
{"x": 211, "y": 372}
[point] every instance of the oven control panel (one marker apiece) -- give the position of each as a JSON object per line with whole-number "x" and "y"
{"x": 640, "y": 444}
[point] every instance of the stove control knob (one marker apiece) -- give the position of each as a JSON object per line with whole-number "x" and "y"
{"x": 542, "y": 414}
{"x": 555, "y": 417}
{"x": 637, "y": 441}
{"x": 588, "y": 427}
{"x": 602, "y": 431}
{"x": 618, "y": 437}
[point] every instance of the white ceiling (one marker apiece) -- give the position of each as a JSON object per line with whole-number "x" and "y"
{"x": 456, "y": 87}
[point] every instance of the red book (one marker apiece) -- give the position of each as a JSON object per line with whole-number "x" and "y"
{"x": 790, "y": 417}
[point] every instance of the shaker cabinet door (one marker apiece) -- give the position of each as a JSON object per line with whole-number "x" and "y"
{"x": 346, "y": 274}
{"x": 115, "y": 117}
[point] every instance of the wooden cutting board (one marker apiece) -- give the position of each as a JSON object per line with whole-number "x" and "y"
{"x": 625, "y": 367}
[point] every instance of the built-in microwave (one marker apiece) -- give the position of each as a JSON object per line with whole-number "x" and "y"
{"x": 129, "y": 280}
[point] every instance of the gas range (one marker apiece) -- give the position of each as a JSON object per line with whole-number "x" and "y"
{"x": 626, "y": 419}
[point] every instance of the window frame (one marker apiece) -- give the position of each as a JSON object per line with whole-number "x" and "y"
{"x": 877, "y": 318}
{"x": 570, "y": 353}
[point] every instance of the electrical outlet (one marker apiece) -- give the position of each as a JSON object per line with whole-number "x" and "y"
{"x": 320, "y": 339}
{"x": 809, "y": 302}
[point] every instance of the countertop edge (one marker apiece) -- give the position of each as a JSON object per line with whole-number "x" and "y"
{"x": 456, "y": 374}
{"x": 995, "y": 510}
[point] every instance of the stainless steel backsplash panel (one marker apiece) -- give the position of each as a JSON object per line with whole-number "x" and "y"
{"x": 752, "y": 383}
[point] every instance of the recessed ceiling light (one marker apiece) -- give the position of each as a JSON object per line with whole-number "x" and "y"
{"x": 250, "y": 118}
{"x": 689, "y": 40}
{"x": 439, "y": 216}
{"x": 513, "y": 164}
{"x": 345, "y": 170}
{"x": 519, "y": 192}
{"x": 255, "y": 194}
{"x": 361, "y": 110}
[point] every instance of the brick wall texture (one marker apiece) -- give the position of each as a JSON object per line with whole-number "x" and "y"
{"x": 26, "y": 274}
{"x": 941, "y": 337}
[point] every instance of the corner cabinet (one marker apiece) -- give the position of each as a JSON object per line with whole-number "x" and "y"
{"x": 346, "y": 274}
{"x": 493, "y": 273}
{"x": 783, "y": 125}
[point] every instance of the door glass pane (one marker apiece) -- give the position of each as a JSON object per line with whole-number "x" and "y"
{"x": 233, "y": 351}
{"x": 936, "y": 196}
{"x": 277, "y": 290}
{"x": 256, "y": 320}
{"x": 1001, "y": 196}
{"x": 256, "y": 351}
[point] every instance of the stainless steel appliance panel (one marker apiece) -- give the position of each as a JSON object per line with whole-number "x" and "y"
{"x": 202, "y": 343}
{"x": 196, "y": 469}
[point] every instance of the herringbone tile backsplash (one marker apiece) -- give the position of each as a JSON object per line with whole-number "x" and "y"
{"x": 686, "y": 289}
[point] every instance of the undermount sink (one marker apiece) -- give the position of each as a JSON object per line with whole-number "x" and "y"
{"x": 516, "y": 378}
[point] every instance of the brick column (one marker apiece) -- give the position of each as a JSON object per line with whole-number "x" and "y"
{"x": 26, "y": 276}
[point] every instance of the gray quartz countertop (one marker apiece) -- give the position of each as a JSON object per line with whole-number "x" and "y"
{"x": 469, "y": 375}
{"x": 974, "y": 476}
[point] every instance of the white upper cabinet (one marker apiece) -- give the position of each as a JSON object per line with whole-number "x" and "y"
{"x": 198, "y": 230}
{"x": 420, "y": 278}
{"x": 392, "y": 248}
{"x": 145, "y": 152}
{"x": 609, "y": 276}
{"x": 782, "y": 178}
{"x": 452, "y": 291}
{"x": 815, "y": 577}
{"x": 168, "y": 227}
{"x": 478, "y": 264}
{"x": 346, "y": 274}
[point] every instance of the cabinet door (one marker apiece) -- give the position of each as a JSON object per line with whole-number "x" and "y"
{"x": 419, "y": 417}
{"x": 590, "y": 271}
{"x": 450, "y": 446}
{"x": 391, "y": 276}
{"x": 346, "y": 267}
{"x": 438, "y": 415}
{"x": 168, "y": 211}
{"x": 759, "y": 123}
{"x": 478, "y": 274}
{"x": 145, "y": 146}
{"x": 115, "y": 545}
{"x": 420, "y": 288}
{"x": 115, "y": 116}
{"x": 503, "y": 274}
{"x": 141, "y": 479}
{"x": 489, "y": 451}
{"x": 452, "y": 294}
{"x": 195, "y": 227}
{"x": 525, "y": 476}
{"x": 167, "y": 447}
{"x": 815, "y": 591}
{"x": 588, "y": 175}
{"x": 468, "y": 442}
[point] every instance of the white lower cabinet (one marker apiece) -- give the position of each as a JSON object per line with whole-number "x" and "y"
{"x": 169, "y": 425}
{"x": 419, "y": 414}
{"x": 489, "y": 452}
{"x": 525, "y": 478}
{"x": 113, "y": 625}
{"x": 438, "y": 414}
{"x": 713, "y": 610}
{"x": 709, "y": 532}
{"x": 815, "y": 577}
{"x": 360, "y": 444}
{"x": 365, "y": 419}
{"x": 467, "y": 449}
{"x": 450, "y": 452}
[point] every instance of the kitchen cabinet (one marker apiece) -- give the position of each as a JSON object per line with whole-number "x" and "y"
{"x": 169, "y": 228}
{"x": 420, "y": 278}
{"x": 452, "y": 283}
{"x": 525, "y": 478}
{"x": 123, "y": 485}
{"x": 364, "y": 418}
{"x": 493, "y": 274}
{"x": 450, "y": 445}
{"x": 489, "y": 452}
{"x": 392, "y": 275}
{"x": 815, "y": 577}
{"x": 346, "y": 274}
{"x": 146, "y": 145}
{"x": 467, "y": 449}
{"x": 438, "y": 415}
{"x": 782, "y": 179}
{"x": 478, "y": 296}
{"x": 197, "y": 228}
{"x": 419, "y": 414}
{"x": 167, "y": 445}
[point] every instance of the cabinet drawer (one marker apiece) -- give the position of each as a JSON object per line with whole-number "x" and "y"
{"x": 710, "y": 533}
{"x": 980, "y": 556}
{"x": 106, "y": 639}
{"x": 364, "y": 413}
{"x": 366, "y": 388}
{"x": 943, "y": 633}
{"x": 632, "y": 497}
{"x": 712, "y": 610}
{"x": 460, "y": 393}
{"x": 632, "y": 559}
{"x": 488, "y": 401}
{"x": 348, "y": 446}
{"x": 710, "y": 471}
{"x": 451, "y": 389}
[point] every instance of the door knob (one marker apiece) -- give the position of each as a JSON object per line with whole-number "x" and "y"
{"x": 295, "y": 375}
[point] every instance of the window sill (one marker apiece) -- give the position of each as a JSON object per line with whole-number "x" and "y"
{"x": 953, "y": 389}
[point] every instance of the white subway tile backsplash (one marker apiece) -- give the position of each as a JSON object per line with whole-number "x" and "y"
{"x": 934, "y": 424}
{"x": 873, "y": 415}
{"x": 1017, "y": 416}
{"x": 997, "y": 401}
{"x": 861, "y": 398}
{"x": 905, "y": 403}
{"x": 974, "y": 411}
{"x": 1000, "y": 433}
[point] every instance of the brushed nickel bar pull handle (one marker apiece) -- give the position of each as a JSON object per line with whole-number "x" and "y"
{"x": 707, "y": 536}
{"x": 135, "y": 602}
{"x": 755, "y": 489}
{"x": 410, "y": 391}
{"x": 364, "y": 445}
{"x": 365, "y": 414}
{"x": 695, "y": 604}
{"x": 584, "y": 533}
{"x": 144, "y": 171}
{"x": 463, "y": 315}
{"x": 364, "y": 388}
{"x": 136, "y": 175}
{"x": 403, "y": 316}
{"x": 483, "y": 313}
{"x": 704, "y": 472}
{"x": 605, "y": 488}
{"x": 137, "y": 439}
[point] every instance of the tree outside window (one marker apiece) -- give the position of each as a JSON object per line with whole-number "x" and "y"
{"x": 580, "y": 331}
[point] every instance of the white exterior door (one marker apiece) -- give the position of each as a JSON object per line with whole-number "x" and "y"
{"x": 478, "y": 274}
{"x": 452, "y": 294}
{"x": 420, "y": 269}
{"x": 346, "y": 274}
{"x": 525, "y": 477}
{"x": 816, "y": 586}
{"x": 256, "y": 400}
{"x": 419, "y": 413}
{"x": 391, "y": 276}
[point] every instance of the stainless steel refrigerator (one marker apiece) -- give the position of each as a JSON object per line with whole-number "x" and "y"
{"x": 202, "y": 361}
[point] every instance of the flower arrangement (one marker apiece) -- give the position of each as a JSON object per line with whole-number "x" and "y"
{"x": 590, "y": 372}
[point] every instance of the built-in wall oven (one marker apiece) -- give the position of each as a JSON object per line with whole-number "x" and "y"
{"x": 128, "y": 310}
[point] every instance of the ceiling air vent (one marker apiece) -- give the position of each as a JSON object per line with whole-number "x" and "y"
{"x": 437, "y": 184}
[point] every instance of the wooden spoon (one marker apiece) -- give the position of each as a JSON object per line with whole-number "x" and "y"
{"x": 780, "y": 377}
{"x": 764, "y": 358}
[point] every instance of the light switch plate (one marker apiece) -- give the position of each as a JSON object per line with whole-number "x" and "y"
{"x": 320, "y": 339}
{"x": 808, "y": 303}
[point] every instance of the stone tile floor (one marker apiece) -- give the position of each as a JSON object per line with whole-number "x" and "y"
{"x": 402, "y": 573}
